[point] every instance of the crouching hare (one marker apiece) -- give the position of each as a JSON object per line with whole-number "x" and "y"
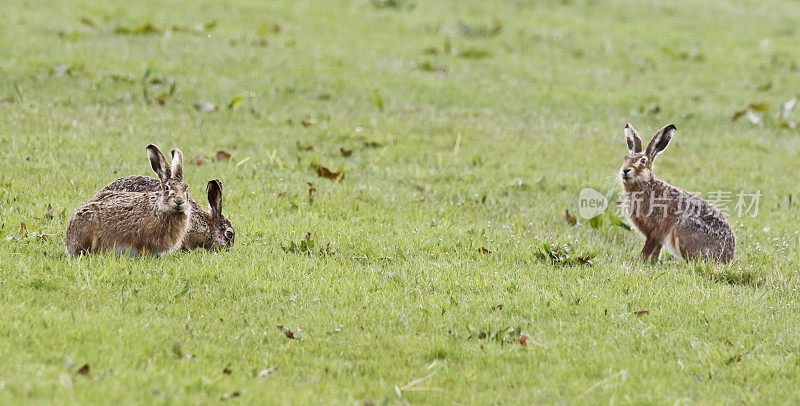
{"x": 686, "y": 225}
{"x": 209, "y": 230}
{"x": 152, "y": 223}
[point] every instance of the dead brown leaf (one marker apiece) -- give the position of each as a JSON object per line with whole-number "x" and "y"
{"x": 372, "y": 144}
{"x": 84, "y": 370}
{"x": 223, "y": 155}
{"x": 523, "y": 339}
{"x": 345, "y": 151}
{"x": 227, "y": 370}
{"x": 484, "y": 250}
{"x": 301, "y": 147}
{"x": 329, "y": 174}
{"x": 641, "y": 313}
{"x": 739, "y": 114}
{"x": 734, "y": 359}
{"x": 267, "y": 372}
{"x": 289, "y": 334}
{"x": 571, "y": 220}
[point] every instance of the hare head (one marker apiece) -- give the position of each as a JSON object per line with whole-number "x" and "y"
{"x": 221, "y": 229}
{"x": 175, "y": 196}
{"x": 637, "y": 168}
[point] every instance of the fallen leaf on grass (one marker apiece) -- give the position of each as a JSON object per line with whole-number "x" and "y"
{"x": 199, "y": 161}
{"x": 320, "y": 97}
{"x": 759, "y": 106}
{"x": 311, "y": 190}
{"x": 144, "y": 29}
{"x": 84, "y": 370}
{"x": 205, "y": 106}
{"x": 289, "y": 334}
{"x": 305, "y": 123}
{"x": 754, "y": 118}
{"x": 227, "y": 370}
{"x": 226, "y": 396}
{"x": 484, "y": 250}
{"x": 641, "y": 313}
{"x": 786, "y": 108}
{"x": 474, "y": 53}
{"x": 739, "y": 114}
{"x": 345, "y": 152}
{"x": 328, "y": 174}
{"x": 301, "y": 147}
{"x": 177, "y": 350}
{"x": 571, "y": 220}
{"x": 734, "y": 359}
{"x": 267, "y": 372}
{"x": 523, "y": 339}
{"x": 235, "y": 102}
{"x": 223, "y": 155}
{"x": 372, "y": 144}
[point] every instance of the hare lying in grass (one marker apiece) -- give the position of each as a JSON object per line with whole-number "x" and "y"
{"x": 152, "y": 223}
{"x": 209, "y": 230}
{"x": 686, "y": 225}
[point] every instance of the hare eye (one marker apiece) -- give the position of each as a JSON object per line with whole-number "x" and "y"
{"x": 643, "y": 161}
{"x": 229, "y": 234}
{"x": 166, "y": 187}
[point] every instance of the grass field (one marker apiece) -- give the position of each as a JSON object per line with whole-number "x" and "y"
{"x": 473, "y": 126}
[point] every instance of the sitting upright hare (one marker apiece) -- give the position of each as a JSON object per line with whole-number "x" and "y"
{"x": 686, "y": 225}
{"x": 209, "y": 230}
{"x": 151, "y": 223}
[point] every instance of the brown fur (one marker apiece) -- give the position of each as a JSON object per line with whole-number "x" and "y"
{"x": 151, "y": 223}
{"x": 667, "y": 215}
{"x": 208, "y": 229}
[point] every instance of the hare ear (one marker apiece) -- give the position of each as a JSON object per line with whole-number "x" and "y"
{"x": 660, "y": 141}
{"x": 633, "y": 139}
{"x": 177, "y": 164}
{"x": 214, "y": 191}
{"x": 158, "y": 162}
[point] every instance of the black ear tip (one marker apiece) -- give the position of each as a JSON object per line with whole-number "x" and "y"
{"x": 628, "y": 125}
{"x": 214, "y": 184}
{"x": 671, "y": 127}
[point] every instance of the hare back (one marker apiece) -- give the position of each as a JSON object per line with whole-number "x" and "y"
{"x": 135, "y": 183}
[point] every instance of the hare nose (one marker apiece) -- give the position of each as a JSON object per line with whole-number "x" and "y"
{"x": 626, "y": 171}
{"x": 179, "y": 201}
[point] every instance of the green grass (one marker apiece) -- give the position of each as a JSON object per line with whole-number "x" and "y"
{"x": 472, "y": 124}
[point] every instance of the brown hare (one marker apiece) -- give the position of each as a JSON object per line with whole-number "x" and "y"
{"x": 209, "y": 230}
{"x": 152, "y": 223}
{"x": 686, "y": 225}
